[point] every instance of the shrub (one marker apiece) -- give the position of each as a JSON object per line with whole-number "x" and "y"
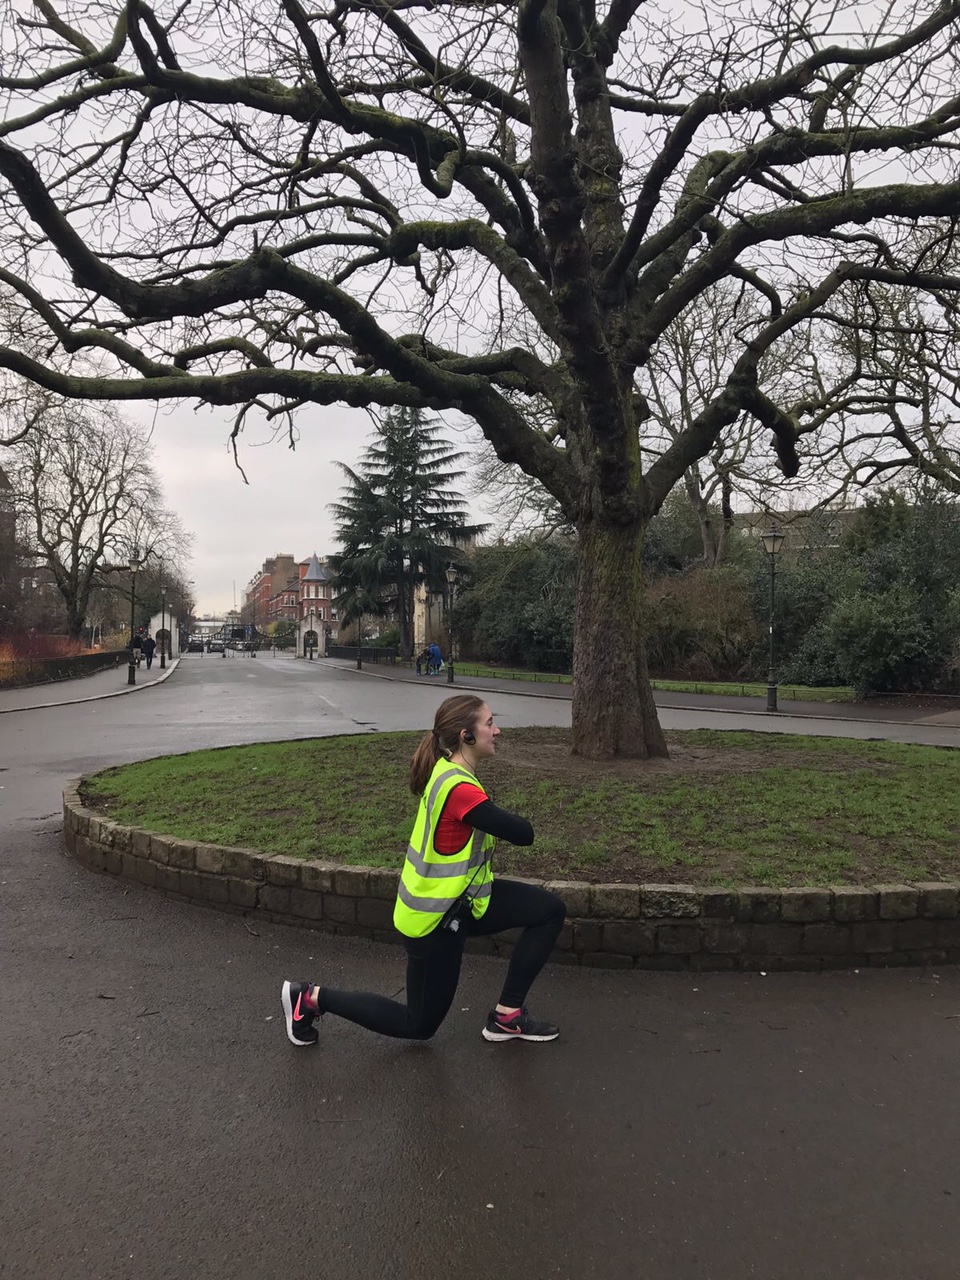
{"x": 700, "y": 625}
{"x": 385, "y": 640}
{"x": 886, "y": 642}
{"x": 517, "y": 604}
{"x": 24, "y": 646}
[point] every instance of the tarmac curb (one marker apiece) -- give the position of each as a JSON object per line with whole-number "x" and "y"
{"x": 621, "y": 926}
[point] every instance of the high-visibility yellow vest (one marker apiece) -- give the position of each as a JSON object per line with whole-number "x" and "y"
{"x": 431, "y": 882}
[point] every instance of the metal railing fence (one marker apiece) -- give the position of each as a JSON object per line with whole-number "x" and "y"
{"x": 19, "y": 672}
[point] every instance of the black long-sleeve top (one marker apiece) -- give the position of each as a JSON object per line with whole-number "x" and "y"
{"x": 494, "y": 821}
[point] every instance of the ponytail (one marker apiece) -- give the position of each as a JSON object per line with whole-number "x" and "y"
{"x": 421, "y": 765}
{"x": 454, "y": 716}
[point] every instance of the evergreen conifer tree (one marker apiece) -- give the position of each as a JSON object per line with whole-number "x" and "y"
{"x": 400, "y": 521}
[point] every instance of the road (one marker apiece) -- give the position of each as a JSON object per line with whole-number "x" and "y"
{"x": 156, "y": 1123}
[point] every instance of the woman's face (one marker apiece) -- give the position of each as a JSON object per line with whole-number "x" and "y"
{"x": 486, "y": 734}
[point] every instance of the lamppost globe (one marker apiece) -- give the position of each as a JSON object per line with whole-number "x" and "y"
{"x": 772, "y": 544}
{"x": 451, "y": 576}
{"x": 772, "y": 541}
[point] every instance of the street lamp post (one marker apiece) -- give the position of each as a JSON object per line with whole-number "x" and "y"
{"x": 184, "y": 592}
{"x": 163, "y": 628}
{"x": 451, "y": 576}
{"x": 772, "y": 543}
{"x": 360, "y": 642}
{"x": 134, "y": 563}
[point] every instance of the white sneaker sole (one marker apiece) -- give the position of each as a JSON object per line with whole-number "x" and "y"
{"x": 499, "y": 1037}
{"x": 288, "y": 1014}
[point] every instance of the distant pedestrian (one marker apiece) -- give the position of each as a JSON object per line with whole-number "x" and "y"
{"x": 447, "y": 893}
{"x": 422, "y": 660}
{"x": 436, "y": 659}
{"x": 136, "y": 644}
{"x": 149, "y": 644}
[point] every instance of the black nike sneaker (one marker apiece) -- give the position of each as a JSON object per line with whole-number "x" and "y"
{"x": 517, "y": 1026}
{"x": 300, "y": 1019}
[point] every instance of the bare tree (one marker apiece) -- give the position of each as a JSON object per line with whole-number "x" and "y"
{"x": 23, "y": 407}
{"x": 895, "y": 354}
{"x": 688, "y": 368}
{"x": 87, "y": 496}
{"x": 337, "y": 216}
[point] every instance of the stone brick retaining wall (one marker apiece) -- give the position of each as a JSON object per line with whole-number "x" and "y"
{"x": 622, "y": 926}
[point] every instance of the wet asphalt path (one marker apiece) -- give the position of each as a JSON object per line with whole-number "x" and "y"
{"x": 156, "y": 1123}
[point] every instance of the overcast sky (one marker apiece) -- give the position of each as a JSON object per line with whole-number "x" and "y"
{"x": 236, "y": 526}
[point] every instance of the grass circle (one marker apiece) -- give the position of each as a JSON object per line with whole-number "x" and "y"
{"x": 725, "y": 809}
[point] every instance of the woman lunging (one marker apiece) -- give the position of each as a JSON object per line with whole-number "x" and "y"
{"x": 447, "y": 894}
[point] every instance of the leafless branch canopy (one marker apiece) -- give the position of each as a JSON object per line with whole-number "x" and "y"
{"x": 271, "y": 205}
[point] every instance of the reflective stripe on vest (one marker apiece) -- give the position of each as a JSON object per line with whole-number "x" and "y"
{"x": 431, "y": 882}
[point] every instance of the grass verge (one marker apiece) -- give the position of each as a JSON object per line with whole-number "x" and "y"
{"x": 729, "y": 688}
{"x": 727, "y": 808}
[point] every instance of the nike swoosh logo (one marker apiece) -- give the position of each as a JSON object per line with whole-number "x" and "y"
{"x": 297, "y": 1015}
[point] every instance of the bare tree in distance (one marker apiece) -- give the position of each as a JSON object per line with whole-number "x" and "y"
{"x": 519, "y": 505}
{"x": 87, "y": 497}
{"x": 690, "y": 367}
{"x": 23, "y": 408}
{"x": 268, "y": 207}
{"x": 897, "y": 351}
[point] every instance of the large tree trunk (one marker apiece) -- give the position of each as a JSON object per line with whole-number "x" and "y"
{"x": 74, "y": 606}
{"x": 613, "y": 709}
{"x": 405, "y": 609}
{"x": 75, "y": 622}
{"x": 707, "y": 536}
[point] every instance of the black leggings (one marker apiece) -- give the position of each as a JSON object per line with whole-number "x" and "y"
{"x": 433, "y": 964}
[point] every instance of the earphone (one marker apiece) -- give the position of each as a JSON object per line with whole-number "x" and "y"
{"x": 469, "y": 739}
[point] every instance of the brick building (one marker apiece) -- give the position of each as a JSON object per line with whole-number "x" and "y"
{"x": 300, "y": 592}
{"x": 266, "y": 594}
{"x": 319, "y": 621}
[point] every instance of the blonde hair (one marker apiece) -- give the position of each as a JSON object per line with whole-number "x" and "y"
{"x": 454, "y": 716}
